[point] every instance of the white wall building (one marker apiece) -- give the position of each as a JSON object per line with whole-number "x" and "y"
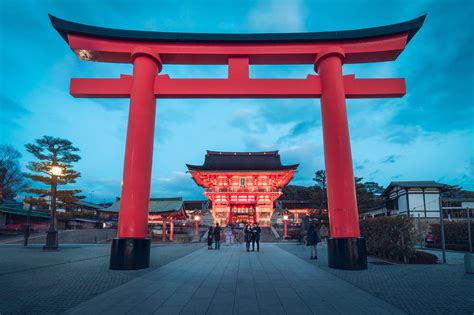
{"x": 412, "y": 198}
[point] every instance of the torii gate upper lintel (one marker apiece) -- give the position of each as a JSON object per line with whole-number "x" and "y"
{"x": 148, "y": 51}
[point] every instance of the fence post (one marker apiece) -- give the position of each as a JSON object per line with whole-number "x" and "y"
{"x": 441, "y": 219}
{"x": 469, "y": 233}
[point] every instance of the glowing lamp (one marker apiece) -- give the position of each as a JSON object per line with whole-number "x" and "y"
{"x": 197, "y": 218}
{"x": 285, "y": 217}
{"x": 56, "y": 170}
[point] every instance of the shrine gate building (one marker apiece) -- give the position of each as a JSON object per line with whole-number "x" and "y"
{"x": 242, "y": 185}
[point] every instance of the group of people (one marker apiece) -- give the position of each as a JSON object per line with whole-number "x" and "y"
{"x": 250, "y": 233}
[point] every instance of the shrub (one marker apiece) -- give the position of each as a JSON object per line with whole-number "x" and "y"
{"x": 455, "y": 235}
{"x": 420, "y": 257}
{"x": 390, "y": 237}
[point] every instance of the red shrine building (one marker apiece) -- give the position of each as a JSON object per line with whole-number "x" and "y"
{"x": 242, "y": 185}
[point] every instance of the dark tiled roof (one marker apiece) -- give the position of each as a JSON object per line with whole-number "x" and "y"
{"x": 297, "y": 204}
{"x": 157, "y": 205}
{"x": 412, "y": 184}
{"x": 87, "y": 204}
{"x": 242, "y": 161}
{"x": 66, "y": 27}
{"x": 197, "y": 204}
{"x": 23, "y": 212}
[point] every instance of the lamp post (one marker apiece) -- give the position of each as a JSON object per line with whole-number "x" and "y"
{"x": 26, "y": 227}
{"x": 52, "y": 233}
{"x": 285, "y": 227}
{"x": 197, "y": 218}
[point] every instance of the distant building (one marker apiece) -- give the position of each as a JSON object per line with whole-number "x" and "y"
{"x": 160, "y": 209}
{"x": 411, "y": 198}
{"x": 454, "y": 208}
{"x": 201, "y": 207}
{"x": 297, "y": 209}
{"x": 242, "y": 185}
{"x": 13, "y": 216}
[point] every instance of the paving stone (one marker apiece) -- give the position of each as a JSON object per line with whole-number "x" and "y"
{"x": 415, "y": 289}
{"x": 229, "y": 281}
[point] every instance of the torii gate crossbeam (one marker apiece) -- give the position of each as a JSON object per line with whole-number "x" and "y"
{"x": 148, "y": 51}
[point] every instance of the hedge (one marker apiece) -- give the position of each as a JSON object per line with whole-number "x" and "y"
{"x": 393, "y": 238}
{"x": 455, "y": 235}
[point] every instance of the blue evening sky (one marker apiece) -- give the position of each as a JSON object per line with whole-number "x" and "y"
{"x": 426, "y": 135}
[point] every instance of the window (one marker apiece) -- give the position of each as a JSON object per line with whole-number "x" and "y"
{"x": 242, "y": 181}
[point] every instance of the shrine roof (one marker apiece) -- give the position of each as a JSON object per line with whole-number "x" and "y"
{"x": 242, "y": 161}
{"x": 200, "y": 205}
{"x": 412, "y": 184}
{"x": 65, "y": 28}
{"x": 156, "y": 206}
{"x": 297, "y": 204}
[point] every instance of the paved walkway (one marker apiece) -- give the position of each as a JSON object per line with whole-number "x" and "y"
{"x": 37, "y": 282}
{"x": 231, "y": 280}
{"x": 416, "y": 289}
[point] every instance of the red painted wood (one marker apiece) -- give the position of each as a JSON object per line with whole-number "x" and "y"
{"x": 342, "y": 204}
{"x": 133, "y": 215}
{"x": 237, "y": 86}
{"x": 358, "y": 51}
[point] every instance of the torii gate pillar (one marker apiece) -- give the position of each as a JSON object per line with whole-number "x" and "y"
{"x": 346, "y": 249}
{"x": 131, "y": 250}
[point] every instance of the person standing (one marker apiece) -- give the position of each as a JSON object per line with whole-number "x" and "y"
{"x": 241, "y": 235}
{"x": 312, "y": 240}
{"x": 256, "y": 230}
{"x": 323, "y": 233}
{"x": 217, "y": 237}
{"x": 228, "y": 235}
{"x": 248, "y": 236}
{"x": 210, "y": 235}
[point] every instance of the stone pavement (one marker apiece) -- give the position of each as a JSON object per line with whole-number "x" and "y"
{"x": 88, "y": 236}
{"x": 37, "y": 282}
{"x": 272, "y": 281}
{"x": 416, "y": 289}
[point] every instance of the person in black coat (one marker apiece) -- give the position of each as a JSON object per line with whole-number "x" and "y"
{"x": 217, "y": 237}
{"x": 312, "y": 240}
{"x": 210, "y": 235}
{"x": 256, "y": 230}
{"x": 248, "y": 236}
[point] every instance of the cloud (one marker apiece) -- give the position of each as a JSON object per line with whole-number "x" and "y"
{"x": 389, "y": 159}
{"x": 178, "y": 184}
{"x": 298, "y": 129}
{"x": 277, "y": 16}
{"x": 11, "y": 111}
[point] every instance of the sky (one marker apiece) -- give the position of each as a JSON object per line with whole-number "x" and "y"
{"x": 426, "y": 135}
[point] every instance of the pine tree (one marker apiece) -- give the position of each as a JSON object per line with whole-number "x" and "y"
{"x": 53, "y": 152}
{"x": 11, "y": 178}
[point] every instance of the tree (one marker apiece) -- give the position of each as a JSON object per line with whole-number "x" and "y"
{"x": 319, "y": 191}
{"x": 11, "y": 178}
{"x": 374, "y": 188}
{"x": 320, "y": 179}
{"x": 368, "y": 194}
{"x": 51, "y": 152}
{"x": 293, "y": 192}
{"x": 451, "y": 191}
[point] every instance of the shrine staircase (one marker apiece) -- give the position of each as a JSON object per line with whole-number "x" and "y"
{"x": 266, "y": 235}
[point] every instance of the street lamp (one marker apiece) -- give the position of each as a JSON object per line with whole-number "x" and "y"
{"x": 52, "y": 233}
{"x": 285, "y": 227}
{"x": 197, "y": 218}
{"x": 56, "y": 170}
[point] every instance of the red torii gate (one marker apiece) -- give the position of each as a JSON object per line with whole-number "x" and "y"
{"x": 148, "y": 51}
